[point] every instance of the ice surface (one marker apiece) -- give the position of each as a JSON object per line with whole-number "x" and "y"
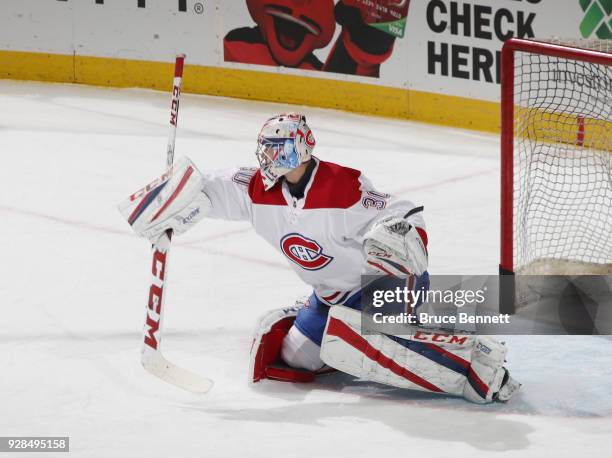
{"x": 73, "y": 286}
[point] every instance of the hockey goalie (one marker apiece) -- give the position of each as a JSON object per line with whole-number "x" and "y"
{"x": 332, "y": 226}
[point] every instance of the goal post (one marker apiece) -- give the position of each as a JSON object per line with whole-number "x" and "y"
{"x": 556, "y": 161}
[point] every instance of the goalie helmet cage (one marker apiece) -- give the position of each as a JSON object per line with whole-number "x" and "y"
{"x": 556, "y": 161}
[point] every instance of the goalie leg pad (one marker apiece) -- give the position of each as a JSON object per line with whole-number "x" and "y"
{"x": 463, "y": 365}
{"x": 265, "y": 357}
{"x": 486, "y": 372}
{"x": 270, "y": 331}
{"x": 282, "y": 351}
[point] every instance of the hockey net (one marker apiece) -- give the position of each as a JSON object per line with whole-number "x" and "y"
{"x": 556, "y": 206}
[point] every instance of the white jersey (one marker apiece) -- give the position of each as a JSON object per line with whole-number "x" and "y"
{"x": 320, "y": 234}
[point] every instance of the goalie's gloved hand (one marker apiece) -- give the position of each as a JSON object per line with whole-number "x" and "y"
{"x": 174, "y": 201}
{"x": 394, "y": 246}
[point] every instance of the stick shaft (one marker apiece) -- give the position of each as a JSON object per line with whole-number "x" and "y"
{"x": 174, "y": 107}
{"x": 152, "y": 358}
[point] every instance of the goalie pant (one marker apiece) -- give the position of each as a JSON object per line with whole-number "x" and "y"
{"x": 463, "y": 365}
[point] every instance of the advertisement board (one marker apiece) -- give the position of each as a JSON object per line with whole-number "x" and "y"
{"x": 391, "y": 57}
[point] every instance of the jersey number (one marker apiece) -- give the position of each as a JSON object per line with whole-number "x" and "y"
{"x": 374, "y": 199}
{"x": 244, "y": 175}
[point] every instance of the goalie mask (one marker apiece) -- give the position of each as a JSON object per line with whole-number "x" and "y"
{"x": 284, "y": 143}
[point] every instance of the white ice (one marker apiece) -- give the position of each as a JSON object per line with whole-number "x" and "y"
{"x": 73, "y": 287}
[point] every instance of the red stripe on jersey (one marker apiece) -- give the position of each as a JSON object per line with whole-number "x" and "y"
{"x": 423, "y": 235}
{"x": 259, "y": 195}
{"x": 331, "y": 296}
{"x": 334, "y": 186}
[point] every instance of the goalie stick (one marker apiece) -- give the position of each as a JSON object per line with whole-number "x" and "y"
{"x": 152, "y": 358}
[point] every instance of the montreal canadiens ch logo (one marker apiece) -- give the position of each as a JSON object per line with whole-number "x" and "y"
{"x": 307, "y": 253}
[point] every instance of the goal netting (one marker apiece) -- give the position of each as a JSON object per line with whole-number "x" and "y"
{"x": 561, "y": 158}
{"x": 556, "y": 213}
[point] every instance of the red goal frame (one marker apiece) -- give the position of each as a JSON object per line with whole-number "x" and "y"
{"x": 506, "y": 265}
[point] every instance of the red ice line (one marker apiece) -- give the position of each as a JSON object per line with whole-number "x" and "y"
{"x": 435, "y": 184}
{"x": 108, "y": 230}
{"x": 225, "y": 234}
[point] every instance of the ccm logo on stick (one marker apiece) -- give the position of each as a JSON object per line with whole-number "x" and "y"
{"x": 307, "y": 253}
{"x": 156, "y": 292}
{"x": 176, "y": 91}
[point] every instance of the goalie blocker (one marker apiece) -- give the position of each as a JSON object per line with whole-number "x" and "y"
{"x": 470, "y": 366}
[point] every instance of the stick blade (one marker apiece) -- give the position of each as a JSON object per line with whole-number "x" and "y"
{"x": 155, "y": 363}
